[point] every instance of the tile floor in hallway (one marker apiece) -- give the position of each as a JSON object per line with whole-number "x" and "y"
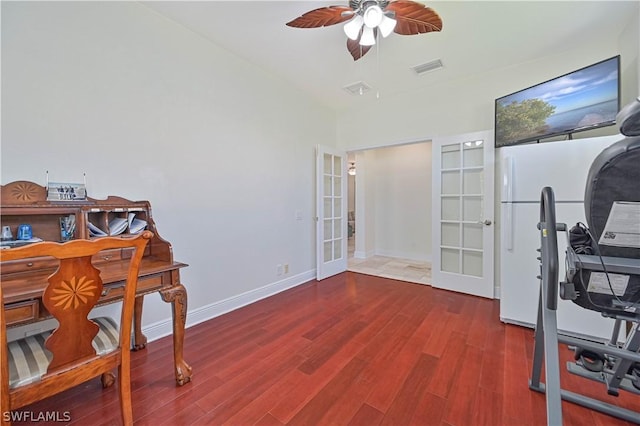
{"x": 390, "y": 267}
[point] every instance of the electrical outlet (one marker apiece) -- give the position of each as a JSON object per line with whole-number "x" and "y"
{"x": 279, "y": 269}
{"x": 286, "y": 268}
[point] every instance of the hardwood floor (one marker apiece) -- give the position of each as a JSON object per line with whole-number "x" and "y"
{"x": 350, "y": 350}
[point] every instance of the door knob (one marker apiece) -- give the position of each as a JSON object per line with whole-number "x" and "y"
{"x": 485, "y": 222}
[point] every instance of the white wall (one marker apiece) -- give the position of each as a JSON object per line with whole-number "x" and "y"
{"x": 351, "y": 192}
{"x": 150, "y": 110}
{"x": 403, "y": 201}
{"x": 365, "y": 205}
{"x": 629, "y": 46}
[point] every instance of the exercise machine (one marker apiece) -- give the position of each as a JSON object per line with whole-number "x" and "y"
{"x": 602, "y": 273}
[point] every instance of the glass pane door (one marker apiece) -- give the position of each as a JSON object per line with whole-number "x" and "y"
{"x": 463, "y": 226}
{"x": 332, "y": 224}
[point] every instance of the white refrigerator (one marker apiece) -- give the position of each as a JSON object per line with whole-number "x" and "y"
{"x": 526, "y": 169}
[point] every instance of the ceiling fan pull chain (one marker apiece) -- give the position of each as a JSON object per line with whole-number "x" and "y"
{"x": 378, "y": 65}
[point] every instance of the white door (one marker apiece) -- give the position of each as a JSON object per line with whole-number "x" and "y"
{"x": 463, "y": 240}
{"x": 331, "y": 212}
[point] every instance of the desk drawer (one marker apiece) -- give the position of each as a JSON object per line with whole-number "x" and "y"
{"x": 26, "y": 265}
{"x": 148, "y": 284}
{"x": 22, "y": 312}
{"x": 115, "y": 255}
{"x": 145, "y": 285}
{"x": 112, "y": 255}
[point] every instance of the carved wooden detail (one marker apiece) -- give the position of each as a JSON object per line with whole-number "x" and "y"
{"x": 71, "y": 294}
{"x": 23, "y": 192}
{"x": 177, "y": 296}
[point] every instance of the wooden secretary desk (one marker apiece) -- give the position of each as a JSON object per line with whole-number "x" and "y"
{"x": 24, "y": 281}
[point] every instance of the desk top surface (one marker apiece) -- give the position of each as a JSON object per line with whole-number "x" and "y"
{"x": 30, "y": 284}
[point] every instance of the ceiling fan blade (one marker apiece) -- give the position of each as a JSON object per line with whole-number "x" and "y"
{"x": 356, "y": 49}
{"x": 322, "y": 17}
{"x": 414, "y": 18}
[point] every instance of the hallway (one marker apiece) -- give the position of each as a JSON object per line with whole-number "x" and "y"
{"x": 389, "y": 267}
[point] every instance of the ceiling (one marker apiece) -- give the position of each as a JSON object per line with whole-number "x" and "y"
{"x": 477, "y": 36}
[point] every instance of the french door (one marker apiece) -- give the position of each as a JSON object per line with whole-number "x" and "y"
{"x": 331, "y": 212}
{"x": 463, "y": 200}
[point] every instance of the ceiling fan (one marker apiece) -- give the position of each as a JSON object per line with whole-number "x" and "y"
{"x": 367, "y": 18}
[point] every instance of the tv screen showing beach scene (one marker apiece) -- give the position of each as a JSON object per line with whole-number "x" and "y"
{"x": 581, "y": 100}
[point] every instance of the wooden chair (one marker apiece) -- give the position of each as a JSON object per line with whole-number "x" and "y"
{"x": 79, "y": 349}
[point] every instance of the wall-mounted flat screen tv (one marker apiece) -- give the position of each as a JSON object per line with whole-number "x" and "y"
{"x": 581, "y": 100}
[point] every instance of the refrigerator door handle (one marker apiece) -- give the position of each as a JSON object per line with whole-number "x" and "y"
{"x": 507, "y": 195}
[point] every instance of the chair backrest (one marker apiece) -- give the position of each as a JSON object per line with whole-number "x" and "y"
{"x": 71, "y": 293}
{"x": 613, "y": 177}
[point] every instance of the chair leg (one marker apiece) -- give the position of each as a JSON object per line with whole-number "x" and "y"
{"x": 124, "y": 382}
{"x": 107, "y": 379}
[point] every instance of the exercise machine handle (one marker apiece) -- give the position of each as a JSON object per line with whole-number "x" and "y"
{"x": 549, "y": 240}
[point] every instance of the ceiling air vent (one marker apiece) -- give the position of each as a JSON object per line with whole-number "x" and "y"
{"x": 357, "y": 88}
{"x": 427, "y": 67}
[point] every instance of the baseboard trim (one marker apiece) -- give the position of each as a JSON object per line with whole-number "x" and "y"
{"x": 417, "y": 257}
{"x": 362, "y": 254}
{"x": 204, "y": 313}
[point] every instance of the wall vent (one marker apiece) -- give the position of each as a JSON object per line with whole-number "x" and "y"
{"x": 427, "y": 66}
{"x": 357, "y": 88}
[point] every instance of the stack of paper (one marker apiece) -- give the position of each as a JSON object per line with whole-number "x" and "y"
{"x": 94, "y": 231}
{"x": 117, "y": 226}
{"x": 136, "y": 225}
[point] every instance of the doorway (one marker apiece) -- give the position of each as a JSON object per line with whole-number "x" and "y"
{"x": 389, "y": 208}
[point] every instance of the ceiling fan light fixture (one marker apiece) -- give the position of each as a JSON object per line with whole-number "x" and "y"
{"x": 386, "y": 26}
{"x": 368, "y": 37}
{"x": 352, "y": 28}
{"x": 363, "y": 19}
{"x": 373, "y": 16}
